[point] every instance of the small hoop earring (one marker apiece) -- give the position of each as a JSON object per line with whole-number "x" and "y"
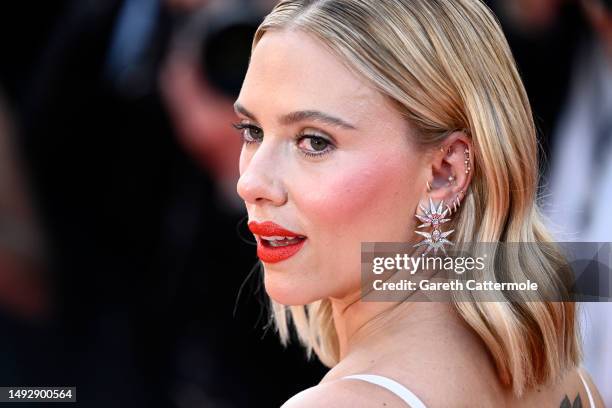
{"x": 428, "y": 186}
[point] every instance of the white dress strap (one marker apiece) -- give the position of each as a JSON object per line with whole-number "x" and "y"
{"x": 586, "y": 385}
{"x": 393, "y": 386}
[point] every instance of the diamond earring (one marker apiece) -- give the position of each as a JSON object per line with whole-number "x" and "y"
{"x": 433, "y": 218}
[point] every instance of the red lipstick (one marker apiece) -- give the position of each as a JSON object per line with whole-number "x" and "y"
{"x": 275, "y": 243}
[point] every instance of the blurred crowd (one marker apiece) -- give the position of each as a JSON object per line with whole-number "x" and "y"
{"x": 126, "y": 268}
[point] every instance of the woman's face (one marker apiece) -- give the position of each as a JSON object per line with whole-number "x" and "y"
{"x": 336, "y": 184}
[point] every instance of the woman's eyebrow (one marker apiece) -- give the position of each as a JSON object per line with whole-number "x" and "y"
{"x": 298, "y": 116}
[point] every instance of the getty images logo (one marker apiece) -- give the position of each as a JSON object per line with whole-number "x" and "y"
{"x": 413, "y": 264}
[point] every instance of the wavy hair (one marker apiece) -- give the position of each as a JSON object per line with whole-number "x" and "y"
{"x": 446, "y": 65}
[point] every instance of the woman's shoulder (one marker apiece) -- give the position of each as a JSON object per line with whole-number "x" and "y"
{"x": 345, "y": 393}
{"x": 357, "y": 394}
{"x": 341, "y": 393}
{"x": 437, "y": 373}
{"x": 431, "y": 387}
{"x": 449, "y": 389}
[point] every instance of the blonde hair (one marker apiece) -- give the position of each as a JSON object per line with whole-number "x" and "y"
{"x": 446, "y": 65}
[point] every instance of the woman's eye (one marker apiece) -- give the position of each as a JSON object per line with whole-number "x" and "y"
{"x": 249, "y": 133}
{"x": 314, "y": 145}
{"x": 309, "y": 145}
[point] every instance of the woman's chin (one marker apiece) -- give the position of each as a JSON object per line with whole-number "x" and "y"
{"x": 286, "y": 291}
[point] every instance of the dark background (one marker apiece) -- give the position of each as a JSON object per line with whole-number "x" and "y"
{"x": 130, "y": 289}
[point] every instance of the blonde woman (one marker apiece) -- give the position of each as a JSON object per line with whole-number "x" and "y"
{"x": 353, "y": 112}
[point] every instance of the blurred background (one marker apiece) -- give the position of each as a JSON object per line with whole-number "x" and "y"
{"x": 126, "y": 268}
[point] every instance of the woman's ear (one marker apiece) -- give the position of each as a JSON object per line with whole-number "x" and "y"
{"x": 451, "y": 171}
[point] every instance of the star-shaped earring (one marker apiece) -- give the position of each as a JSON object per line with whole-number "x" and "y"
{"x": 433, "y": 218}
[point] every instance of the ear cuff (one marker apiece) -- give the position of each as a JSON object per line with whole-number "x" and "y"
{"x": 456, "y": 203}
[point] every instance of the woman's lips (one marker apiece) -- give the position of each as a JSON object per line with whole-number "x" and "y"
{"x": 287, "y": 242}
{"x": 270, "y": 254}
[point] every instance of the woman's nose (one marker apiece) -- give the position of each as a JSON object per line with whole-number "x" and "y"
{"x": 261, "y": 181}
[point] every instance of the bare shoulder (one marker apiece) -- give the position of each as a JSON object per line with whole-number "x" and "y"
{"x": 447, "y": 376}
{"x": 433, "y": 387}
{"x": 345, "y": 393}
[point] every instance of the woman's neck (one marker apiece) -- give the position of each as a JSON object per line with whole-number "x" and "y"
{"x": 362, "y": 324}
{"x": 375, "y": 333}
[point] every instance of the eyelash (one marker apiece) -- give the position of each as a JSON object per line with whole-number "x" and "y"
{"x": 242, "y": 127}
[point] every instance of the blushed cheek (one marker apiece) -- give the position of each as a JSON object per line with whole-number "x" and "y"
{"x": 363, "y": 198}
